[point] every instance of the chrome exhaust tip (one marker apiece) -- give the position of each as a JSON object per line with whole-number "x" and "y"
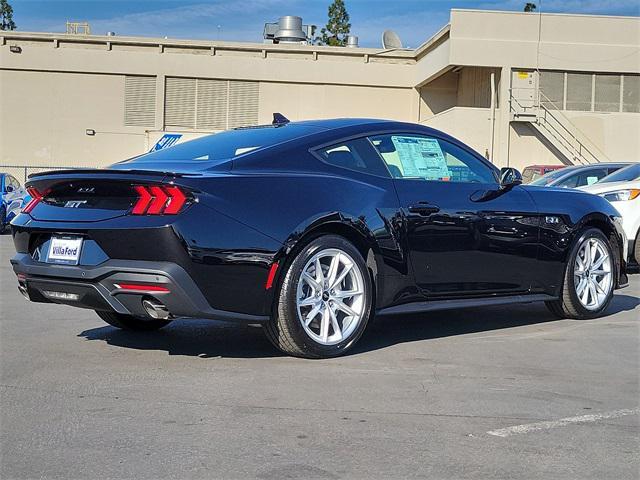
{"x": 23, "y": 290}
{"x": 155, "y": 309}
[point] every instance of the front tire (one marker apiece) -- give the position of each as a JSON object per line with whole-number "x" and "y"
{"x": 129, "y": 322}
{"x": 589, "y": 278}
{"x": 324, "y": 302}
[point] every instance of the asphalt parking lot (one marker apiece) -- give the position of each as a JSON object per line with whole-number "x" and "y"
{"x": 485, "y": 393}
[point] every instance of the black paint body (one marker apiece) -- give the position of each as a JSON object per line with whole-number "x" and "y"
{"x": 260, "y": 207}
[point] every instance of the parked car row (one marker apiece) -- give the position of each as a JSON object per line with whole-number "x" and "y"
{"x": 578, "y": 175}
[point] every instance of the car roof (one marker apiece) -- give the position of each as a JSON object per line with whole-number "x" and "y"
{"x": 356, "y": 124}
{"x": 581, "y": 168}
{"x": 331, "y": 123}
{"x": 545, "y": 166}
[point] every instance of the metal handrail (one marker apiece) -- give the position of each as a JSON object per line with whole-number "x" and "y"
{"x": 545, "y": 117}
{"x": 568, "y": 120}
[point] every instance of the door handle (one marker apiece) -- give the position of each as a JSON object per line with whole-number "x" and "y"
{"x": 423, "y": 209}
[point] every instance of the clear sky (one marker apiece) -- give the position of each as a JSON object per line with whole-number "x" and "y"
{"x": 242, "y": 20}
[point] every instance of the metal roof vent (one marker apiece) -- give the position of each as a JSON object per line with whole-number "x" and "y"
{"x": 352, "y": 41}
{"x": 290, "y": 30}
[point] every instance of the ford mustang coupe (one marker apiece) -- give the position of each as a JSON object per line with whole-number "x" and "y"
{"x": 311, "y": 229}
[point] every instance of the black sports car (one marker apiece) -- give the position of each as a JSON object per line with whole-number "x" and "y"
{"x": 312, "y": 228}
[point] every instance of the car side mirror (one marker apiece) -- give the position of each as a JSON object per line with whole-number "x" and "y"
{"x": 8, "y": 189}
{"x": 509, "y": 177}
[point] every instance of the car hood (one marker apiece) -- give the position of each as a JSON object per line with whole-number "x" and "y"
{"x": 598, "y": 188}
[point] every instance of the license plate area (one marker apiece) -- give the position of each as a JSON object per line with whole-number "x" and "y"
{"x": 64, "y": 250}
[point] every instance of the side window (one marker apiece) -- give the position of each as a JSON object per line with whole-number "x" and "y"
{"x": 357, "y": 154}
{"x": 590, "y": 177}
{"x": 418, "y": 157}
{"x": 13, "y": 182}
{"x": 569, "y": 182}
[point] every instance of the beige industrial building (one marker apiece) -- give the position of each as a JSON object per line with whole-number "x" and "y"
{"x": 520, "y": 88}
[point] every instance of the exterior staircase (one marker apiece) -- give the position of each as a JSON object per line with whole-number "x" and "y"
{"x": 556, "y": 128}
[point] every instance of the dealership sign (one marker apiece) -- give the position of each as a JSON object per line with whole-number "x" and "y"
{"x": 167, "y": 140}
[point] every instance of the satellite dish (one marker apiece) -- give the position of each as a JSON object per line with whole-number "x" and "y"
{"x": 390, "y": 39}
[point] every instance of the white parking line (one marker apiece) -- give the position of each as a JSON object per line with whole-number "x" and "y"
{"x": 532, "y": 427}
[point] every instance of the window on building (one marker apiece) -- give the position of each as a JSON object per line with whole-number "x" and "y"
{"x": 607, "y": 93}
{"x": 579, "y": 91}
{"x": 180, "y": 102}
{"x": 552, "y": 88}
{"x": 631, "y": 93}
{"x": 139, "y": 101}
{"x": 356, "y": 155}
{"x": 424, "y": 158}
{"x": 210, "y": 104}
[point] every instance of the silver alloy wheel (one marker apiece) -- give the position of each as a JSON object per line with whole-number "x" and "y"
{"x": 330, "y": 296}
{"x": 592, "y": 274}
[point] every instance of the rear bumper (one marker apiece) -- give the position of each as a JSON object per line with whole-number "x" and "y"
{"x": 97, "y": 287}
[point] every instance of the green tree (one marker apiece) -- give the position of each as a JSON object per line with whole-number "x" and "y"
{"x": 530, "y": 7}
{"x": 6, "y": 16}
{"x": 338, "y": 26}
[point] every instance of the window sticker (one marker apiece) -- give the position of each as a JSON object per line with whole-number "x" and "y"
{"x": 421, "y": 157}
{"x": 592, "y": 180}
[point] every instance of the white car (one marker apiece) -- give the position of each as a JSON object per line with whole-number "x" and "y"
{"x": 622, "y": 189}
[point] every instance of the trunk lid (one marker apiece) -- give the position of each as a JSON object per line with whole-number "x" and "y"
{"x": 89, "y": 195}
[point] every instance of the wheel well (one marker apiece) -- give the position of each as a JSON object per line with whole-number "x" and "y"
{"x": 351, "y": 234}
{"x": 334, "y": 228}
{"x": 610, "y": 233}
{"x": 600, "y": 225}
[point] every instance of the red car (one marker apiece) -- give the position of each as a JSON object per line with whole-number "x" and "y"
{"x": 532, "y": 172}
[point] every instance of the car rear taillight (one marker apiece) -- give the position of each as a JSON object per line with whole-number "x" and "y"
{"x": 158, "y": 200}
{"x": 36, "y": 196}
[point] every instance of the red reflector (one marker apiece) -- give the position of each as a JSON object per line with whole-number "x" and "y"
{"x": 36, "y": 196}
{"x": 141, "y": 287}
{"x": 272, "y": 276}
{"x": 143, "y": 200}
{"x": 159, "y": 201}
{"x": 176, "y": 200}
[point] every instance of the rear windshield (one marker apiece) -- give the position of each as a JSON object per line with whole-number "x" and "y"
{"x": 216, "y": 149}
{"x": 626, "y": 174}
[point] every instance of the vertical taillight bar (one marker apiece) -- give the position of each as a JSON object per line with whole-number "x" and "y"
{"x": 36, "y": 196}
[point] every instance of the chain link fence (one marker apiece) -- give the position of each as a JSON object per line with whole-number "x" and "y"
{"x": 22, "y": 172}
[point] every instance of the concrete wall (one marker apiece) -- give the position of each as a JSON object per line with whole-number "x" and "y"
{"x": 44, "y": 117}
{"x": 550, "y": 41}
{"x": 60, "y": 85}
{"x": 470, "y": 125}
{"x": 305, "y": 102}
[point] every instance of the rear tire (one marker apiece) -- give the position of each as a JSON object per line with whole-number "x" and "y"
{"x": 129, "y": 322}
{"x": 586, "y": 293}
{"x": 318, "y": 312}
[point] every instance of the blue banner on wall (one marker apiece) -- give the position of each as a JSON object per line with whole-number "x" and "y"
{"x": 167, "y": 140}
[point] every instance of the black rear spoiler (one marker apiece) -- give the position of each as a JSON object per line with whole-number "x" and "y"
{"x": 46, "y": 180}
{"x": 103, "y": 171}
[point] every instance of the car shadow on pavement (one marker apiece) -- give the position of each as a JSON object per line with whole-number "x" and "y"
{"x": 387, "y": 331}
{"x": 212, "y": 339}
